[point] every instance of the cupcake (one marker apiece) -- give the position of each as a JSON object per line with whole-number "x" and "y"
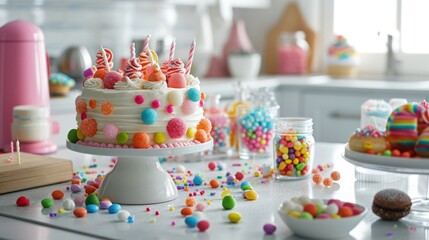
{"x": 60, "y": 84}
{"x": 342, "y": 58}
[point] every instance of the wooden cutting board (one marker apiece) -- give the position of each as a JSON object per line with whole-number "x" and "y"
{"x": 292, "y": 20}
{"x": 34, "y": 171}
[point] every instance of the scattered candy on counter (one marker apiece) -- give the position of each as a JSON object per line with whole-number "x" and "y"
{"x": 123, "y": 215}
{"x": 326, "y": 181}
{"x": 228, "y": 202}
{"x": 234, "y": 217}
{"x": 23, "y": 201}
{"x": 203, "y": 225}
{"x": 47, "y": 203}
{"x": 269, "y": 228}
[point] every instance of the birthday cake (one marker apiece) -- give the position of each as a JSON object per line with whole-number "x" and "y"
{"x": 142, "y": 106}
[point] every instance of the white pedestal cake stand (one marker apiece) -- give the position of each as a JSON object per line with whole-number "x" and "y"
{"x": 138, "y": 177}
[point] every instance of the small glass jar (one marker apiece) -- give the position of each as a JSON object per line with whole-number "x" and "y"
{"x": 31, "y": 123}
{"x": 292, "y": 52}
{"x": 293, "y": 148}
{"x": 220, "y": 124}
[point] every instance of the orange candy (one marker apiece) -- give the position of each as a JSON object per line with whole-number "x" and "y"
{"x": 203, "y": 96}
{"x": 156, "y": 76}
{"x": 76, "y": 181}
{"x": 214, "y": 183}
{"x": 345, "y": 212}
{"x": 317, "y": 178}
{"x": 93, "y": 103}
{"x": 201, "y": 136}
{"x": 186, "y": 211}
{"x": 100, "y": 73}
{"x": 396, "y": 153}
{"x": 327, "y": 182}
{"x": 90, "y": 189}
{"x": 88, "y": 127}
{"x": 205, "y": 124}
{"x": 310, "y": 208}
{"x": 190, "y": 201}
{"x": 106, "y": 108}
{"x": 141, "y": 140}
{"x": 335, "y": 175}
{"x": 80, "y": 212}
{"x": 81, "y": 107}
{"x": 57, "y": 194}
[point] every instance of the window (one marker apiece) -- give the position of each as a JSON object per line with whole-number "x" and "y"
{"x": 366, "y": 24}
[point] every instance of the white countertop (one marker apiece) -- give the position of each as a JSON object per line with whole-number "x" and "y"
{"x": 255, "y": 214}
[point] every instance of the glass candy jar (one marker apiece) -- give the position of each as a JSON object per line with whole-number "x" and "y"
{"x": 256, "y": 125}
{"x": 220, "y": 124}
{"x": 293, "y": 147}
{"x": 292, "y": 52}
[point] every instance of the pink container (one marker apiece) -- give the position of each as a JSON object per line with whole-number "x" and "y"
{"x": 23, "y": 76}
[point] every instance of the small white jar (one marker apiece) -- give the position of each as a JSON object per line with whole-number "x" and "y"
{"x": 31, "y": 123}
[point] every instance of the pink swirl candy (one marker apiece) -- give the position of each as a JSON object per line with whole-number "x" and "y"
{"x": 175, "y": 66}
{"x": 133, "y": 69}
{"x": 164, "y": 67}
{"x": 144, "y": 61}
{"x": 100, "y": 60}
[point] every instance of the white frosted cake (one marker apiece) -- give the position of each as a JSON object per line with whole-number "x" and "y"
{"x": 140, "y": 107}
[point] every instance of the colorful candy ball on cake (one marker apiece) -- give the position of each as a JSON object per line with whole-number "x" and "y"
{"x": 141, "y": 140}
{"x": 177, "y": 80}
{"x": 122, "y": 138}
{"x": 149, "y": 116}
{"x": 111, "y": 78}
{"x": 110, "y": 131}
{"x": 72, "y": 136}
{"x": 176, "y": 128}
{"x": 159, "y": 137}
{"x": 188, "y": 107}
{"x": 422, "y": 145}
{"x": 190, "y": 133}
{"x": 88, "y": 127}
{"x": 100, "y": 73}
{"x": 156, "y": 76}
{"x": 81, "y": 107}
{"x": 106, "y": 108}
{"x": 194, "y": 94}
{"x": 175, "y": 98}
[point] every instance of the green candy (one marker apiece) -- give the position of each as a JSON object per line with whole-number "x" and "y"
{"x": 92, "y": 199}
{"x": 300, "y": 166}
{"x": 319, "y": 209}
{"x": 228, "y": 202}
{"x": 247, "y": 187}
{"x": 47, "y": 203}
{"x": 306, "y": 215}
{"x": 122, "y": 138}
{"x": 72, "y": 136}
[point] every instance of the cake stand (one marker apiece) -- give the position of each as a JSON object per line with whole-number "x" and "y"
{"x": 419, "y": 214}
{"x": 137, "y": 177}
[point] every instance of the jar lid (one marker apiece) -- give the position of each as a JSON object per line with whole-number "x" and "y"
{"x": 30, "y": 112}
{"x": 300, "y": 124}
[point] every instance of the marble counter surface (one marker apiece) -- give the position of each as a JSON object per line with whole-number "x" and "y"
{"x": 38, "y": 225}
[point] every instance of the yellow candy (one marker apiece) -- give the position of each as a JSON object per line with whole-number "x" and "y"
{"x": 190, "y": 133}
{"x": 297, "y": 146}
{"x": 154, "y": 55}
{"x": 295, "y": 161}
{"x": 171, "y": 209}
{"x": 283, "y": 149}
{"x": 234, "y": 217}
{"x": 251, "y": 195}
{"x": 226, "y": 192}
{"x": 335, "y": 216}
{"x": 294, "y": 214}
{"x": 209, "y": 202}
{"x": 159, "y": 137}
{"x": 256, "y": 174}
{"x": 294, "y": 139}
{"x": 288, "y": 137}
{"x": 60, "y": 211}
{"x": 80, "y": 135}
{"x": 285, "y": 156}
{"x": 282, "y": 166}
{"x": 289, "y": 161}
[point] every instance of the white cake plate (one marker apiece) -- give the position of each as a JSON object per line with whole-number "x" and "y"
{"x": 138, "y": 177}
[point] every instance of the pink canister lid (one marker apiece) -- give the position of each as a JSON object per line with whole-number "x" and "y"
{"x": 20, "y": 31}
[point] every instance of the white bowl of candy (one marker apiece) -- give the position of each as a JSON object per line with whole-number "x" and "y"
{"x": 321, "y": 219}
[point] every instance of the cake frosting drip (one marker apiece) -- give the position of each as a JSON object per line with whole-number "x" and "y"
{"x": 100, "y": 60}
{"x": 175, "y": 66}
{"x": 129, "y": 84}
{"x": 133, "y": 69}
{"x": 95, "y": 83}
{"x": 154, "y": 85}
{"x": 192, "y": 81}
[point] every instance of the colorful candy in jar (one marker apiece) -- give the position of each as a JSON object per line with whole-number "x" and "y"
{"x": 256, "y": 131}
{"x": 294, "y": 152}
{"x": 220, "y": 124}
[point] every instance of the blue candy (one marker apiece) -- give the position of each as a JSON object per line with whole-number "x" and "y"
{"x": 191, "y": 221}
{"x": 114, "y": 208}
{"x": 92, "y": 208}
{"x": 149, "y": 116}
{"x": 244, "y": 184}
{"x": 194, "y": 94}
{"x": 198, "y": 180}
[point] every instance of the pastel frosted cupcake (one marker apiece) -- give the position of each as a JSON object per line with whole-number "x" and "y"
{"x": 60, "y": 84}
{"x": 342, "y": 58}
